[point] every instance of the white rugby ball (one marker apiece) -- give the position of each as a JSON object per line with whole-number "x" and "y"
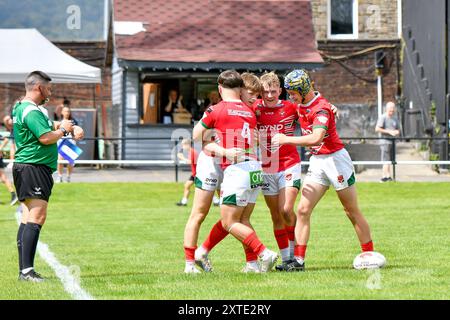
{"x": 369, "y": 260}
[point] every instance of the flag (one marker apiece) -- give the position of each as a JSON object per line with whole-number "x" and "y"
{"x": 69, "y": 150}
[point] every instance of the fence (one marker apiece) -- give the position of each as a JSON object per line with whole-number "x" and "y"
{"x": 176, "y": 164}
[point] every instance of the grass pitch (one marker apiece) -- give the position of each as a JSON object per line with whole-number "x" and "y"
{"x": 127, "y": 240}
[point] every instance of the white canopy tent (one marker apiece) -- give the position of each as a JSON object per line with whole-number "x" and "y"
{"x": 26, "y": 50}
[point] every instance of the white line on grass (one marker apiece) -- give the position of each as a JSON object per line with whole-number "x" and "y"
{"x": 69, "y": 276}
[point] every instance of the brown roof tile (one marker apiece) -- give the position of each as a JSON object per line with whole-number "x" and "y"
{"x": 218, "y": 31}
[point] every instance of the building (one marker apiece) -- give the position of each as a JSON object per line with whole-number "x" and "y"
{"x": 348, "y": 34}
{"x": 161, "y": 45}
{"x": 80, "y": 28}
{"x": 426, "y": 74}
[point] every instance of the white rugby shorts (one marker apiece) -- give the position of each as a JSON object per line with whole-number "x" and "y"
{"x": 274, "y": 182}
{"x": 334, "y": 169}
{"x": 209, "y": 174}
{"x": 241, "y": 183}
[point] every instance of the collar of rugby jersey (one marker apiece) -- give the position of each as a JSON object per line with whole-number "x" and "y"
{"x": 317, "y": 95}
{"x": 279, "y": 104}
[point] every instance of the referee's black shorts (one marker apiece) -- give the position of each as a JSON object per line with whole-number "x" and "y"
{"x": 32, "y": 181}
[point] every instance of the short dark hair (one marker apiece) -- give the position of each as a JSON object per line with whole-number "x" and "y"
{"x": 66, "y": 102}
{"x": 230, "y": 79}
{"x": 36, "y": 77}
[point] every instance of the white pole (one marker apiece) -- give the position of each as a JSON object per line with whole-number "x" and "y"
{"x": 399, "y": 18}
{"x": 380, "y": 96}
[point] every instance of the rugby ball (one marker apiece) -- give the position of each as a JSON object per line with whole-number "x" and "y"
{"x": 369, "y": 260}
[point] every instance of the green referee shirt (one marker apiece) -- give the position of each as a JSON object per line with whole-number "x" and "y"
{"x": 30, "y": 122}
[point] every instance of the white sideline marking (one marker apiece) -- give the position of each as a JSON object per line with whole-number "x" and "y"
{"x": 69, "y": 276}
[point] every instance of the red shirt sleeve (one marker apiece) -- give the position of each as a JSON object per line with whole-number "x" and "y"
{"x": 209, "y": 118}
{"x": 321, "y": 119}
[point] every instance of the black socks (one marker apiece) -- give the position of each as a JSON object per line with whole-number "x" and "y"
{"x": 30, "y": 239}
{"x": 19, "y": 244}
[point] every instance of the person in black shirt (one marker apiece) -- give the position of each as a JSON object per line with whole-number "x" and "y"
{"x": 175, "y": 104}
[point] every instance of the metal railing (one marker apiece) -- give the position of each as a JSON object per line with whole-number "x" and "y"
{"x": 176, "y": 164}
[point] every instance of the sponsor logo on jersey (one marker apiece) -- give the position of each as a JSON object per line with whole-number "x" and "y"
{"x": 322, "y": 119}
{"x": 240, "y": 113}
{"x": 271, "y": 127}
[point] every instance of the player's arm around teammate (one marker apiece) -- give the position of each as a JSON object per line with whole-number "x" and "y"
{"x": 235, "y": 122}
{"x": 329, "y": 165}
{"x": 249, "y": 94}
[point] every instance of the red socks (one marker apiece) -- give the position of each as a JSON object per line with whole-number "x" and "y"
{"x": 300, "y": 251}
{"x": 189, "y": 253}
{"x": 282, "y": 238}
{"x": 250, "y": 255}
{"x": 217, "y": 234}
{"x": 253, "y": 242}
{"x": 367, "y": 246}
{"x": 290, "y": 232}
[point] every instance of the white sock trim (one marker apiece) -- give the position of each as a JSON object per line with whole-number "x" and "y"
{"x": 27, "y": 270}
{"x": 285, "y": 254}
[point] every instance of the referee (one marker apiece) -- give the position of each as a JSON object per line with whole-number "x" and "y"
{"x": 36, "y": 159}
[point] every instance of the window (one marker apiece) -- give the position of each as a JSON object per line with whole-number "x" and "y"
{"x": 343, "y": 19}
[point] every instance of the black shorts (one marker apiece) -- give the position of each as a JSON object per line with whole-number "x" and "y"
{"x": 32, "y": 181}
{"x": 2, "y": 164}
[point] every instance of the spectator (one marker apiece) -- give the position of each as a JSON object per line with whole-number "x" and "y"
{"x": 214, "y": 98}
{"x": 175, "y": 104}
{"x": 66, "y": 114}
{"x": 7, "y": 120}
{"x": 58, "y": 110}
{"x": 3, "y": 176}
{"x": 187, "y": 148}
{"x": 388, "y": 127}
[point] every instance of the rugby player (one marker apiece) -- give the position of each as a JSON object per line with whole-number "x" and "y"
{"x": 249, "y": 95}
{"x": 281, "y": 165}
{"x": 330, "y": 164}
{"x": 235, "y": 122}
{"x": 192, "y": 160}
{"x": 206, "y": 181}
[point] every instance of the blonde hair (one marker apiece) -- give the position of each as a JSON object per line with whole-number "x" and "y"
{"x": 270, "y": 79}
{"x": 251, "y": 82}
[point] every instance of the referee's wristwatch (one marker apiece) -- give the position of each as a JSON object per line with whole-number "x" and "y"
{"x": 64, "y": 131}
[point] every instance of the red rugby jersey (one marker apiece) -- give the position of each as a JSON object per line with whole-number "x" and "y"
{"x": 317, "y": 114}
{"x": 272, "y": 120}
{"x": 234, "y": 123}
